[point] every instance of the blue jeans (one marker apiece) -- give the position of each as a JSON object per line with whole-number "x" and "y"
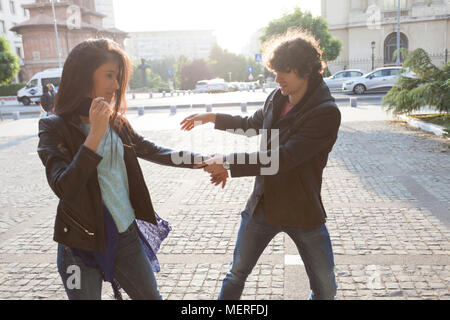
{"x": 254, "y": 235}
{"x": 132, "y": 270}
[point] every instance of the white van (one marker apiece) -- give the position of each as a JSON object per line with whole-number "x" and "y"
{"x": 33, "y": 90}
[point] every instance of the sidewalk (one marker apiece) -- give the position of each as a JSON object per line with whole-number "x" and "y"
{"x": 386, "y": 191}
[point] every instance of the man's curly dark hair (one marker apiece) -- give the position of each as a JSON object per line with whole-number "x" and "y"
{"x": 297, "y": 51}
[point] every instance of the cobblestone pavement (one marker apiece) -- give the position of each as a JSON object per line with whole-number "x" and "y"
{"x": 386, "y": 191}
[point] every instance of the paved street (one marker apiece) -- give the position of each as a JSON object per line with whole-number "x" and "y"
{"x": 386, "y": 190}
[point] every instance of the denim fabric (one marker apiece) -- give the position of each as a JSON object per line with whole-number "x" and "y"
{"x": 254, "y": 235}
{"x": 132, "y": 269}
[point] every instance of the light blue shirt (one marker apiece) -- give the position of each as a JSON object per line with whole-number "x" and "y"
{"x": 113, "y": 178}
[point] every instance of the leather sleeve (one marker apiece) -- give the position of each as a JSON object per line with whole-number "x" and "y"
{"x": 66, "y": 176}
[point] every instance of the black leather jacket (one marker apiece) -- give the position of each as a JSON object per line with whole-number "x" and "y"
{"x": 306, "y": 135}
{"x": 71, "y": 170}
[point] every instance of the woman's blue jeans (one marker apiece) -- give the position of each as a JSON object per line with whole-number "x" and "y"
{"x": 132, "y": 270}
{"x": 254, "y": 235}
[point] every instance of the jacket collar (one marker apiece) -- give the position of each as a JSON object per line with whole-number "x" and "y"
{"x": 317, "y": 94}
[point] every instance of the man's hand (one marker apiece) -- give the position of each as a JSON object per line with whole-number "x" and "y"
{"x": 220, "y": 178}
{"x": 196, "y": 120}
{"x": 214, "y": 166}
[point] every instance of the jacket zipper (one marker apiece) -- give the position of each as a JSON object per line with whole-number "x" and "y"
{"x": 91, "y": 234}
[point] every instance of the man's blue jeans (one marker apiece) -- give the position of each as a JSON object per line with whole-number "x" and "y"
{"x": 132, "y": 270}
{"x": 254, "y": 235}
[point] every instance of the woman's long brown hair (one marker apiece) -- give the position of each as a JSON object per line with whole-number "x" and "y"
{"x": 77, "y": 80}
{"x": 77, "y": 76}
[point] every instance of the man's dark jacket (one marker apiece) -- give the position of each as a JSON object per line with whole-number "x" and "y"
{"x": 71, "y": 170}
{"x": 292, "y": 195}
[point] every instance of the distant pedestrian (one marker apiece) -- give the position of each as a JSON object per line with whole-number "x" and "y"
{"x": 47, "y": 100}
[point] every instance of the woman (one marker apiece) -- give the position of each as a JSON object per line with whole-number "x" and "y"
{"x": 105, "y": 225}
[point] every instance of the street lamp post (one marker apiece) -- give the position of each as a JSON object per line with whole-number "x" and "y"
{"x": 372, "y": 45}
{"x": 56, "y": 34}
{"x": 398, "y": 33}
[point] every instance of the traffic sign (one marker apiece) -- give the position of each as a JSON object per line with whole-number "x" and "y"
{"x": 258, "y": 57}
{"x": 250, "y": 69}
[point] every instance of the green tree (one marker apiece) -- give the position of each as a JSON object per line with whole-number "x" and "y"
{"x": 179, "y": 65}
{"x": 317, "y": 26}
{"x": 9, "y": 63}
{"x": 162, "y": 67}
{"x": 223, "y": 63}
{"x": 152, "y": 80}
{"x": 430, "y": 86}
{"x": 194, "y": 71}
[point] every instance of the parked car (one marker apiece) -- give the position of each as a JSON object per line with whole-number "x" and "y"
{"x": 217, "y": 85}
{"x": 211, "y": 86}
{"x": 336, "y": 81}
{"x": 32, "y": 92}
{"x": 201, "y": 86}
{"x": 382, "y": 79}
{"x": 233, "y": 86}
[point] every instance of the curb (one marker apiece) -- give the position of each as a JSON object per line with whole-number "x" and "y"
{"x": 428, "y": 127}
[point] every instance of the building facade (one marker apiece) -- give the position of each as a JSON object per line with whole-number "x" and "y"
{"x": 107, "y": 8}
{"x": 368, "y": 27}
{"x": 166, "y": 44}
{"x": 77, "y": 20}
{"x": 12, "y": 14}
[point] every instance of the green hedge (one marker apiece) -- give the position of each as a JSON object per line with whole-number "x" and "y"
{"x": 11, "y": 89}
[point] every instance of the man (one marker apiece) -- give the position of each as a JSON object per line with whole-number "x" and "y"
{"x": 302, "y": 120}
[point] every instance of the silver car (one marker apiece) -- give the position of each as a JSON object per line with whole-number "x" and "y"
{"x": 382, "y": 79}
{"x": 336, "y": 81}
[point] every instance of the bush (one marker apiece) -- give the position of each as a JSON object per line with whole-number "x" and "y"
{"x": 11, "y": 89}
{"x": 430, "y": 86}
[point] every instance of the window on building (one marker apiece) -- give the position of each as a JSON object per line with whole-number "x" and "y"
{"x": 36, "y": 55}
{"x": 19, "y": 52}
{"x": 391, "y": 5}
{"x": 2, "y": 26}
{"x": 12, "y": 7}
{"x": 1, "y": 6}
{"x": 390, "y": 45}
{"x": 25, "y": 13}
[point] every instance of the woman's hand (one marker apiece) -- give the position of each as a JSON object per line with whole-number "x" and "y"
{"x": 99, "y": 115}
{"x": 197, "y": 120}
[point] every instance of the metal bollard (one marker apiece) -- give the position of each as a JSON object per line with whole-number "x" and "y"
{"x": 164, "y": 94}
{"x": 16, "y": 115}
{"x": 264, "y": 89}
{"x": 140, "y": 111}
{"x": 151, "y": 95}
{"x": 209, "y": 107}
{"x": 171, "y": 93}
{"x": 173, "y": 110}
{"x": 354, "y": 102}
{"x": 244, "y": 107}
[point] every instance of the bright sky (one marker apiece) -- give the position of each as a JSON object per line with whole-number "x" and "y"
{"x": 233, "y": 20}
